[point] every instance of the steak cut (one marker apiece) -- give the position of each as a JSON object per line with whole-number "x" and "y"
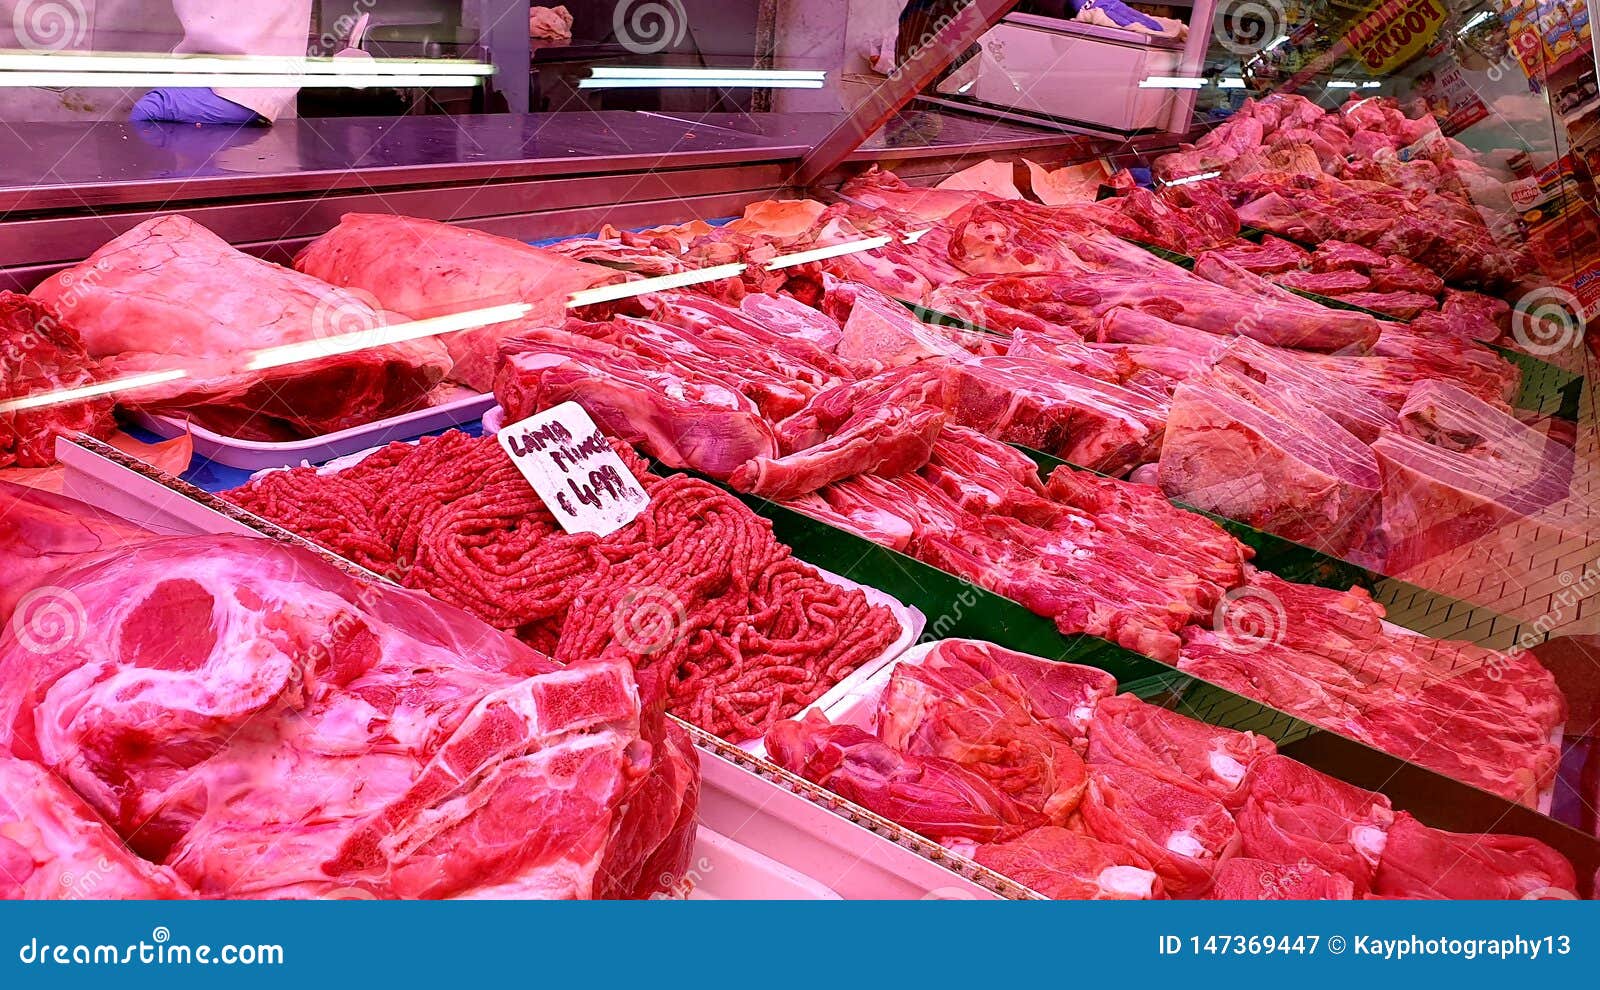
{"x": 1245, "y": 879}
{"x": 1296, "y": 815}
{"x": 40, "y": 354}
{"x": 170, "y": 295}
{"x": 423, "y": 268}
{"x": 1071, "y": 866}
{"x": 1179, "y": 750}
{"x": 937, "y": 797}
{"x": 1183, "y": 833}
{"x": 1419, "y": 861}
{"x": 1458, "y": 470}
{"x": 1255, "y": 451}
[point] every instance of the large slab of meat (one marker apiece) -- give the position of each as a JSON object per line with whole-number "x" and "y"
{"x": 1261, "y": 453}
{"x": 257, "y": 723}
{"x": 423, "y": 268}
{"x": 170, "y": 294}
{"x": 1327, "y": 657}
{"x": 40, "y": 354}
{"x": 1457, "y": 470}
{"x": 695, "y": 593}
{"x": 1419, "y": 861}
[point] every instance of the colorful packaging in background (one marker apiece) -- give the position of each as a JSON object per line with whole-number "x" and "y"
{"x": 1450, "y": 98}
{"x": 1547, "y": 35}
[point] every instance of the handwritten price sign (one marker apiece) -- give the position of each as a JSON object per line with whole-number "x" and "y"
{"x": 568, "y": 462}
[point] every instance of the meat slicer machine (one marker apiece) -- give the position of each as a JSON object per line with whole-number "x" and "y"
{"x": 1069, "y": 74}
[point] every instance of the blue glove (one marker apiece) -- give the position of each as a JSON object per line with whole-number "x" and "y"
{"x": 191, "y": 106}
{"x": 1120, "y": 13}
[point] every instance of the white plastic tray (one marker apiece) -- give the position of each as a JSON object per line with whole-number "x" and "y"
{"x": 724, "y": 870}
{"x": 256, "y": 455}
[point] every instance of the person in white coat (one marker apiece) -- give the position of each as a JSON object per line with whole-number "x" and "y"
{"x": 232, "y": 27}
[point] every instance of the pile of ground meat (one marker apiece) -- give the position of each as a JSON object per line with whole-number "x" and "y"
{"x": 39, "y": 354}
{"x": 696, "y": 591}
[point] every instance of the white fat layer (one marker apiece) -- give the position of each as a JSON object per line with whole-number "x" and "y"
{"x": 1127, "y": 881}
{"x": 1227, "y": 768}
{"x": 1369, "y": 842}
{"x": 1185, "y": 844}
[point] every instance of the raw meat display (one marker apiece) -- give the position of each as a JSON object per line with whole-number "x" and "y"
{"x": 695, "y": 592}
{"x": 262, "y": 724}
{"x": 39, "y": 354}
{"x": 1256, "y": 451}
{"x": 170, "y": 295}
{"x": 1183, "y": 832}
{"x": 1419, "y": 861}
{"x": 1245, "y": 879}
{"x": 1457, "y": 469}
{"x": 1296, "y": 815}
{"x": 1066, "y": 865}
{"x": 422, "y": 269}
{"x": 1163, "y": 744}
{"x": 1478, "y": 716}
{"x": 957, "y": 745}
{"x": 54, "y": 847}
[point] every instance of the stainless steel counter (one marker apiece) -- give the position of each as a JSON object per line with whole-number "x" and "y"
{"x": 65, "y": 189}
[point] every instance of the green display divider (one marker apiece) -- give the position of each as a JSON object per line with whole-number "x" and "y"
{"x": 1546, "y": 388}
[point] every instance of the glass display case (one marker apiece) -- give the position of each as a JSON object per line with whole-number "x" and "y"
{"x": 1085, "y": 409}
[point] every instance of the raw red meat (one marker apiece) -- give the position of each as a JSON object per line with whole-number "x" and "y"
{"x": 1296, "y": 815}
{"x": 1272, "y": 256}
{"x": 1245, "y": 879}
{"x": 54, "y": 847}
{"x": 1331, "y": 283}
{"x": 1320, "y": 384}
{"x": 937, "y": 797}
{"x": 1335, "y": 256}
{"x": 880, "y": 333}
{"x": 680, "y": 417}
{"x": 1255, "y": 451}
{"x": 1400, "y": 275}
{"x": 1041, "y": 404}
{"x": 1183, "y": 833}
{"x": 1400, "y": 305}
{"x": 1070, "y": 866}
{"x": 885, "y": 441}
{"x": 268, "y": 726}
{"x": 1419, "y": 861}
{"x": 423, "y": 268}
{"x": 1179, "y": 750}
{"x": 768, "y": 328}
{"x": 40, "y": 354}
{"x": 1458, "y": 470}
{"x": 1061, "y": 696}
{"x": 170, "y": 295}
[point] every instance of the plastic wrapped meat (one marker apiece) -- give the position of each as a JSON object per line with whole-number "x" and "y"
{"x": 423, "y": 269}
{"x": 267, "y": 726}
{"x": 54, "y": 847}
{"x": 170, "y": 295}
